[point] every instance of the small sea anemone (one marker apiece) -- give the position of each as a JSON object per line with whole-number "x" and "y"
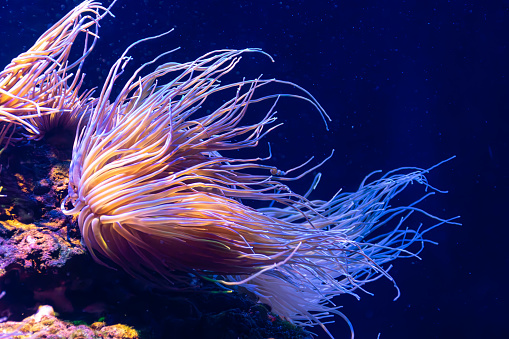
{"x": 37, "y": 92}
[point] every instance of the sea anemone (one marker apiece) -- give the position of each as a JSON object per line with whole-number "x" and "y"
{"x": 37, "y": 92}
{"x": 155, "y": 193}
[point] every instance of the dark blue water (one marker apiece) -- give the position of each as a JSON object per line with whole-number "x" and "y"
{"x": 408, "y": 84}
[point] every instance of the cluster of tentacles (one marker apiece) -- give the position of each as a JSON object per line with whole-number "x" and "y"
{"x": 156, "y": 194}
{"x": 38, "y": 92}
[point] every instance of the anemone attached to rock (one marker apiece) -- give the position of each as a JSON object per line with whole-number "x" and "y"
{"x": 156, "y": 194}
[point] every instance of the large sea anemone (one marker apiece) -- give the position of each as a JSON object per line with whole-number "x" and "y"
{"x": 155, "y": 194}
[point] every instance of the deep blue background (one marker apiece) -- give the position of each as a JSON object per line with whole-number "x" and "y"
{"x": 407, "y": 84}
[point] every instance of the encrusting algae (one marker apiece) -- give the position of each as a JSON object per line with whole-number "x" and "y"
{"x": 44, "y": 324}
{"x": 156, "y": 191}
